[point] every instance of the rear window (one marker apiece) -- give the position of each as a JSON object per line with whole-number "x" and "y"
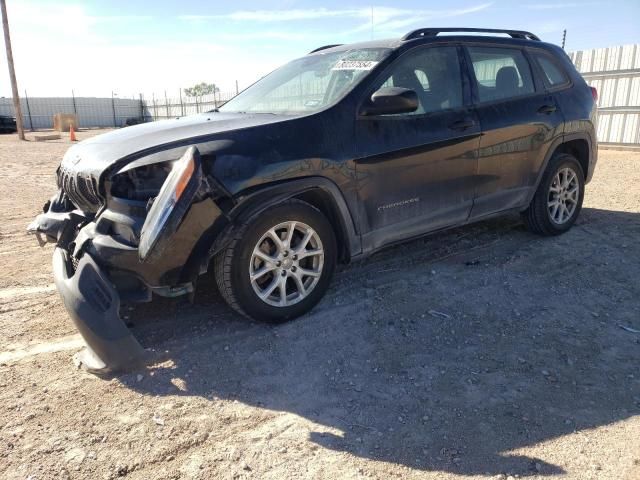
{"x": 553, "y": 73}
{"x": 501, "y": 73}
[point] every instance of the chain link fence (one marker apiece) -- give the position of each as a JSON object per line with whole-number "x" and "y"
{"x": 162, "y": 107}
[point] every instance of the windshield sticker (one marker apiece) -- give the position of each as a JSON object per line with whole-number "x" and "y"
{"x": 354, "y": 65}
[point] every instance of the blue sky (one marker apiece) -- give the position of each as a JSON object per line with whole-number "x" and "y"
{"x": 137, "y": 46}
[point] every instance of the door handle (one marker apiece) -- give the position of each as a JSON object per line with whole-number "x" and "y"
{"x": 462, "y": 124}
{"x": 547, "y": 109}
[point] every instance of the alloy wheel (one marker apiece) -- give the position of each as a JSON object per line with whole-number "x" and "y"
{"x": 563, "y": 196}
{"x": 286, "y": 264}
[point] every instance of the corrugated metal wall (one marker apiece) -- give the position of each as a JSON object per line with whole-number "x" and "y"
{"x": 38, "y": 112}
{"x": 615, "y": 73}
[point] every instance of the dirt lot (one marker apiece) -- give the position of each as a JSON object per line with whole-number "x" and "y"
{"x": 482, "y": 352}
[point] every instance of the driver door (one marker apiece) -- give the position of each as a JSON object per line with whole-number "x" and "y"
{"x": 416, "y": 170}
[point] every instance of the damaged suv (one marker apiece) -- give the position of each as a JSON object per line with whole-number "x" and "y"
{"x": 331, "y": 157}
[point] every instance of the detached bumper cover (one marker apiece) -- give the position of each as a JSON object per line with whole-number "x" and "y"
{"x": 93, "y": 305}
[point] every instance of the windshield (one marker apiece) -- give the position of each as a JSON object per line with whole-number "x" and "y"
{"x": 307, "y": 84}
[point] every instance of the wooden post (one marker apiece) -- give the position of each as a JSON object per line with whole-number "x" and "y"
{"x": 12, "y": 71}
{"x": 166, "y": 103}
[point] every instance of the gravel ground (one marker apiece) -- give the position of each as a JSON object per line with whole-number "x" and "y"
{"x": 482, "y": 352}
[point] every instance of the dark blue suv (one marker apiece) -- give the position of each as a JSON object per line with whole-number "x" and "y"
{"x": 329, "y": 158}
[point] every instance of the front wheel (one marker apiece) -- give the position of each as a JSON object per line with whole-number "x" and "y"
{"x": 558, "y": 199}
{"x": 279, "y": 264}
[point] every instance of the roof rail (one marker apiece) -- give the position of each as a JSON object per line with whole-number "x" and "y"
{"x": 324, "y": 48}
{"x": 432, "y": 32}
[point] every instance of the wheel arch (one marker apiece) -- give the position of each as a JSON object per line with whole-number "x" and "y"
{"x": 579, "y": 148}
{"x": 319, "y": 192}
{"x": 579, "y": 145}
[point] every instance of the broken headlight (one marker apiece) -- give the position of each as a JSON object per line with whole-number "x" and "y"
{"x": 171, "y": 204}
{"x": 142, "y": 182}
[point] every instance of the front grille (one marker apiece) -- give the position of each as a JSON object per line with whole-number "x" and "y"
{"x": 81, "y": 190}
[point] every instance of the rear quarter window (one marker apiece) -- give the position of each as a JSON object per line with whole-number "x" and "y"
{"x": 553, "y": 73}
{"x": 501, "y": 73}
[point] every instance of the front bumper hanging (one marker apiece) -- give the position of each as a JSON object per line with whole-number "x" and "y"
{"x": 93, "y": 304}
{"x": 91, "y": 300}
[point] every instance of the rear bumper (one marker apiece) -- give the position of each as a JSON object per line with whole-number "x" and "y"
{"x": 93, "y": 304}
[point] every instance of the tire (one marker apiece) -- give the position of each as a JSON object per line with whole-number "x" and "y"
{"x": 542, "y": 216}
{"x": 303, "y": 268}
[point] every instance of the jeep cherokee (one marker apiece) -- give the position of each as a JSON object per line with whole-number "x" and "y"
{"x": 329, "y": 158}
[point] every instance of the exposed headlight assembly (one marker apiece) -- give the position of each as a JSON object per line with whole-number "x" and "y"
{"x": 171, "y": 204}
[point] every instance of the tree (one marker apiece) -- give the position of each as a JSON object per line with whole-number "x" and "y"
{"x": 201, "y": 89}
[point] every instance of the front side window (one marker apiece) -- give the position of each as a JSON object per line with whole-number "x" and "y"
{"x": 307, "y": 84}
{"x": 433, "y": 73}
{"x": 554, "y": 76}
{"x": 500, "y": 73}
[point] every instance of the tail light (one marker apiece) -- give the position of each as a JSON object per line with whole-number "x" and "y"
{"x": 594, "y": 94}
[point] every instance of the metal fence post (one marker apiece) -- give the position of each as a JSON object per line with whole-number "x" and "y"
{"x": 26, "y": 98}
{"x": 237, "y": 91}
{"x": 155, "y": 110}
{"x": 141, "y": 108}
{"x": 181, "y": 104}
{"x": 166, "y": 103}
{"x": 197, "y": 106}
{"x": 73, "y": 98}
{"x": 113, "y": 106}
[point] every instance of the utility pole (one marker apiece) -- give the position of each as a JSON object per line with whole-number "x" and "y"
{"x": 12, "y": 71}
{"x": 564, "y": 37}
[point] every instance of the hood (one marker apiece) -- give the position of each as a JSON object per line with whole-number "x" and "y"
{"x": 96, "y": 154}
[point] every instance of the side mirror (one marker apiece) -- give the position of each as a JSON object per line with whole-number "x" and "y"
{"x": 390, "y": 100}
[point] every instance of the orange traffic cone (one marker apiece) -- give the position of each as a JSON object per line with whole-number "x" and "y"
{"x": 72, "y": 134}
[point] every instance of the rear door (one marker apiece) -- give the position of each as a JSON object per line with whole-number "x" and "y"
{"x": 416, "y": 170}
{"x": 519, "y": 121}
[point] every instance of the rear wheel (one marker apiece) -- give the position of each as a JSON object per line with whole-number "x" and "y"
{"x": 558, "y": 199}
{"x": 279, "y": 264}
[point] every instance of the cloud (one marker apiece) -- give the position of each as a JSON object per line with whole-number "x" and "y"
{"x": 64, "y": 46}
{"x": 60, "y": 47}
{"x": 555, "y": 6}
{"x": 277, "y": 15}
{"x": 387, "y": 18}
{"x": 391, "y": 20}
